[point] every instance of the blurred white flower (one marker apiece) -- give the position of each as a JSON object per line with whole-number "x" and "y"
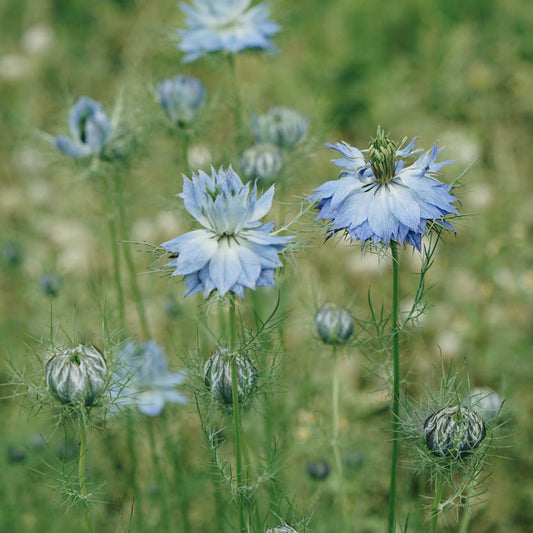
{"x": 37, "y": 39}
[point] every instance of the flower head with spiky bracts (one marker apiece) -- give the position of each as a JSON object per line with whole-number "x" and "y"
{"x": 234, "y": 251}
{"x": 380, "y": 198}
{"x": 225, "y": 25}
{"x": 90, "y": 128}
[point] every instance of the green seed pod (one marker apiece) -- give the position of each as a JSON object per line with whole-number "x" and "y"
{"x": 282, "y": 529}
{"x": 262, "y": 161}
{"x": 77, "y": 375}
{"x": 217, "y": 377}
{"x": 334, "y": 324}
{"x": 454, "y": 432}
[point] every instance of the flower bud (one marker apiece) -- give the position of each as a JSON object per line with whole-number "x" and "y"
{"x": 280, "y": 126}
{"x": 485, "y": 402}
{"x": 318, "y": 470}
{"x": 262, "y": 161}
{"x": 181, "y": 98}
{"x": 454, "y": 432}
{"x": 90, "y": 128}
{"x": 282, "y": 529}
{"x": 217, "y": 377}
{"x": 334, "y": 324}
{"x": 50, "y": 284}
{"x": 77, "y": 375}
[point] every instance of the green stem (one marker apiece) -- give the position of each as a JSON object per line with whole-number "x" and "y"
{"x": 52, "y": 343}
{"x": 134, "y": 286}
{"x": 116, "y": 270}
{"x": 130, "y": 433}
{"x": 183, "y": 493}
{"x": 335, "y": 437}
{"x": 237, "y": 103}
{"x": 185, "y": 143}
{"x": 435, "y": 506}
{"x": 81, "y": 471}
{"x": 465, "y": 520}
{"x": 237, "y": 430}
{"x": 159, "y": 476}
{"x": 396, "y": 385}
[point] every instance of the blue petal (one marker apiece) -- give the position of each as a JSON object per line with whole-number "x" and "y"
{"x": 225, "y": 268}
{"x": 71, "y": 148}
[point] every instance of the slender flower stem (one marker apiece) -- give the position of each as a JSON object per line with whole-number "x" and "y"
{"x": 335, "y": 437}
{"x": 123, "y": 225}
{"x": 237, "y": 430}
{"x": 81, "y": 471}
{"x": 396, "y": 385}
{"x": 183, "y": 493}
{"x": 116, "y": 270}
{"x": 130, "y": 433}
{"x": 465, "y": 519}
{"x": 185, "y": 142}
{"x": 435, "y": 506}
{"x": 237, "y": 103}
{"x": 159, "y": 477}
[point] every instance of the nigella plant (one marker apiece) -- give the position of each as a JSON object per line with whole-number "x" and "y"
{"x": 389, "y": 195}
{"x": 383, "y": 199}
{"x": 141, "y": 376}
{"x": 225, "y": 26}
{"x": 234, "y": 251}
{"x": 181, "y": 98}
{"x": 90, "y": 129}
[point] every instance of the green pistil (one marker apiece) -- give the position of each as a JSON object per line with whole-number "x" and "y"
{"x": 382, "y": 154}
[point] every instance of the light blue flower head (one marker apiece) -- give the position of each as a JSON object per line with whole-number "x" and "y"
{"x": 262, "y": 161}
{"x": 90, "y": 128}
{"x": 380, "y": 198}
{"x": 280, "y": 126}
{"x": 141, "y": 376}
{"x": 181, "y": 98}
{"x": 234, "y": 251}
{"x": 225, "y": 25}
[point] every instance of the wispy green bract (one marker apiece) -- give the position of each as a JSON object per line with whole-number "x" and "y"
{"x": 90, "y": 128}
{"x": 234, "y": 251}
{"x": 381, "y": 199}
{"x": 225, "y": 25}
{"x": 141, "y": 376}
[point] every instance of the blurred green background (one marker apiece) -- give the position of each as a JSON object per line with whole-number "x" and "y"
{"x": 457, "y": 71}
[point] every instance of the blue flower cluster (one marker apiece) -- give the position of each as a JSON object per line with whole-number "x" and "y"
{"x": 225, "y": 25}
{"x": 380, "y": 198}
{"x": 234, "y": 251}
{"x": 141, "y": 376}
{"x": 90, "y": 129}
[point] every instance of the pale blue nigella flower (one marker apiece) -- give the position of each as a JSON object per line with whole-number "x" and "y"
{"x": 225, "y": 25}
{"x": 234, "y": 251}
{"x": 90, "y": 128}
{"x": 181, "y": 98}
{"x": 141, "y": 376}
{"x": 380, "y": 198}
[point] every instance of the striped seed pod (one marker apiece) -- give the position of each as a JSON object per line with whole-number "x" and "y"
{"x": 262, "y": 161}
{"x": 454, "y": 432}
{"x": 217, "y": 377}
{"x": 77, "y": 375}
{"x": 334, "y": 324}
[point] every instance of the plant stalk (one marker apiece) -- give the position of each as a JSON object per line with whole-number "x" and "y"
{"x": 335, "y": 437}
{"x": 396, "y": 385}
